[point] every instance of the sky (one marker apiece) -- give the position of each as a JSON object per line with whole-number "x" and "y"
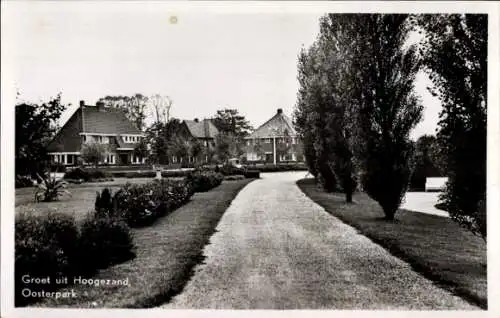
{"x": 204, "y": 62}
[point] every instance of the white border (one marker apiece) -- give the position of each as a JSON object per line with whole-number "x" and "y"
{"x": 12, "y": 10}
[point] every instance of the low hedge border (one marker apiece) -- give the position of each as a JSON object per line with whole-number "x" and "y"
{"x": 54, "y": 245}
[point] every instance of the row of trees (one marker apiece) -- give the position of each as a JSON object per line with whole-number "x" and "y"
{"x": 356, "y": 105}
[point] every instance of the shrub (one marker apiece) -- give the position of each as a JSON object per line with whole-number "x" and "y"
{"x": 252, "y": 174}
{"x": 174, "y": 174}
{"x": 229, "y": 170}
{"x": 23, "y": 182}
{"x": 234, "y": 177}
{"x": 50, "y": 189}
{"x": 98, "y": 174}
{"x": 77, "y": 174}
{"x": 87, "y": 175}
{"x": 57, "y": 167}
{"x": 103, "y": 203}
{"x": 45, "y": 246}
{"x": 142, "y": 204}
{"x": 140, "y": 174}
{"x": 202, "y": 181}
{"x": 104, "y": 241}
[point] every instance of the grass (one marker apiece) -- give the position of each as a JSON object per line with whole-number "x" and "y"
{"x": 80, "y": 202}
{"x": 166, "y": 254}
{"x": 434, "y": 246}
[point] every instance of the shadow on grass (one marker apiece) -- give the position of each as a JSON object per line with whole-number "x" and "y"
{"x": 434, "y": 246}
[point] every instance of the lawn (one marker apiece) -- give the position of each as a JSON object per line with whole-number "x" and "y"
{"x": 434, "y": 246}
{"x": 80, "y": 202}
{"x": 166, "y": 254}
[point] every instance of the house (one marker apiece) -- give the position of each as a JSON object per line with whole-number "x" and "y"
{"x": 104, "y": 125}
{"x": 205, "y": 132}
{"x": 274, "y": 141}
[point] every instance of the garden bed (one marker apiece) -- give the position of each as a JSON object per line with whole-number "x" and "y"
{"x": 434, "y": 246}
{"x": 166, "y": 254}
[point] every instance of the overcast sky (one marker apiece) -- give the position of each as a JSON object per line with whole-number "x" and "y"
{"x": 204, "y": 62}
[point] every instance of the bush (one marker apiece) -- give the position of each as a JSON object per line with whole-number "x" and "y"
{"x": 234, "y": 177}
{"x": 252, "y": 174}
{"x": 140, "y": 174}
{"x": 142, "y": 204}
{"x": 229, "y": 170}
{"x": 23, "y": 182}
{"x": 50, "y": 189}
{"x": 279, "y": 167}
{"x": 45, "y": 246}
{"x": 202, "y": 181}
{"x": 77, "y": 174}
{"x": 87, "y": 175}
{"x": 57, "y": 167}
{"x": 104, "y": 240}
{"x": 175, "y": 174}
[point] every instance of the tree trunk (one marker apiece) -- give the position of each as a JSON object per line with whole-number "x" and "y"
{"x": 348, "y": 196}
{"x": 389, "y": 214}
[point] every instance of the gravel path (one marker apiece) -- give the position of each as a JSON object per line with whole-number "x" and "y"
{"x": 276, "y": 249}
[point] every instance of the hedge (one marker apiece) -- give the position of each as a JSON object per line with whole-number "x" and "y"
{"x": 202, "y": 181}
{"x": 87, "y": 175}
{"x": 52, "y": 246}
{"x": 141, "y": 204}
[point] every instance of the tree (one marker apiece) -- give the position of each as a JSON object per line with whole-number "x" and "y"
{"x": 160, "y": 107}
{"x": 227, "y": 146}
{"x": 310, "y": 118}
{"x": 454, "y": 53}
{"x": 229, "y": 121}
{"x": 141, "y": 150}
{"x": 385, "y": 106}
{"x": 35, "y": 126}
{"x": 134, "y": 107}
{"x": 258, "y": 148}
{"x": 425, "y": 164}
{"x": 93, "y": 153}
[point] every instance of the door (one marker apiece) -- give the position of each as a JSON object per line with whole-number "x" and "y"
{"x": 124, "y": 159}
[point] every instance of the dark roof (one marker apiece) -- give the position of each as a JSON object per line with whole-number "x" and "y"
{"x": 278, "y": 124}
{"x": 202, "y": 129}
{"x": 107, "y": 120}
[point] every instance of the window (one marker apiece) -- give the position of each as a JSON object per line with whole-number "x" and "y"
{"x": 105, "y": 140}
{"x": 84, "y": 138}
{"x": 174, "y": 159}
{"x": 70, "y": 159}
{"x": 294, "y": 140}
{"x": 267, "y": 140}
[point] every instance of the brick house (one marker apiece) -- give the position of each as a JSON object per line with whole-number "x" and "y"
{"x": 274, "y": 141}
{"x": 105, "y": 125}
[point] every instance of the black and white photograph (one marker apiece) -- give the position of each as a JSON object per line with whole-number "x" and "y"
{"x": 249, "y": 157}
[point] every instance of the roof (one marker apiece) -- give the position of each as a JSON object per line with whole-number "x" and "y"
{"x": 275, "y": 126}
{"x": 107, "y": 120}
{"x": 202, "y": 129}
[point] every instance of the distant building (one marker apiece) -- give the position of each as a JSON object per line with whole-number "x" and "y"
{"x": 104, "y": 125}
{"x": 274, "y": 141}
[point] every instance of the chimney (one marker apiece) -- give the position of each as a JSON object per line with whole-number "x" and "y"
{"x": 280, "y": 111}
{"x": 206, "y": 128}
{"x": 100, "y": 105}
{"x": 196, "y": 120}
{"x": 82, "y": 103}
